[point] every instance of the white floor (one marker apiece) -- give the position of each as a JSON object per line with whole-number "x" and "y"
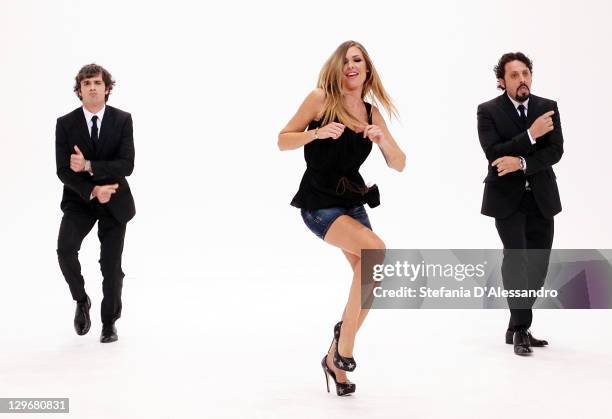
{"x": 251, "y": 347}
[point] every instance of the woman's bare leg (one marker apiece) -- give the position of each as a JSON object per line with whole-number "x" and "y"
{"x": 353, "y": 261}
{"x": 340, "y": 374}
{"x": 351, "y": 236}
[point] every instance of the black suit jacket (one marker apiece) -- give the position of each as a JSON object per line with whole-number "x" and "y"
{"x": 501, "y": 134}
{"x": 112, "y": 161}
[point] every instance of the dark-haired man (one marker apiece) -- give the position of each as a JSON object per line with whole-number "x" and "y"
{"x": 94, "y": 150}
{"x": 521, "y": 136}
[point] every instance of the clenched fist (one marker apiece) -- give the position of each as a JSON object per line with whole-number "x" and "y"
{"x": 543, "y": 125}
{"x": 104, "y": 192}
{"x": 77, "y": 161}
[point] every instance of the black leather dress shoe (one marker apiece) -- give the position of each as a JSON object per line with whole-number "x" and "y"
{"x": 82, "y": 323}
{"x": 538, "y": 343}
{"x": 109, "y": 333}
{"x": 521, "y": 342}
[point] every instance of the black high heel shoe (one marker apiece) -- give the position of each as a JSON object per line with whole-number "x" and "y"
{"x": 337, "y": 330}
{"x": 344, "y": 363}
{"x": 342, "y": 389}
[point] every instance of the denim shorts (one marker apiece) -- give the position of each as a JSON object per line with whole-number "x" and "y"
{"x": 319, "y": 221}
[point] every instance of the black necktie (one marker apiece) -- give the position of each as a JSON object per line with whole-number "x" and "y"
{"x": 94, "y": 131}
{"x": 523, "y": 117}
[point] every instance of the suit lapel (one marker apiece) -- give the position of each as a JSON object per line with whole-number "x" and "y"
{"x": 105, "y": 129}
{"x": 81, "y": 124}
{"x": 534, "y": 109}
{"x": 509, "y": 108}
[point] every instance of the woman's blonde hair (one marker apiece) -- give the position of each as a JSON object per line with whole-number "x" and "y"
{"x": 330, "y": 80}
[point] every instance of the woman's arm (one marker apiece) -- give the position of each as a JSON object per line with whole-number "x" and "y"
{"x": 380, "y": 135}
{"x": 293, "y": 135}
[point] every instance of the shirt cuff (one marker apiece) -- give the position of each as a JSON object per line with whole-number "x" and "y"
{"x": 524, "y": 162}
{"x": 530, "y": 138}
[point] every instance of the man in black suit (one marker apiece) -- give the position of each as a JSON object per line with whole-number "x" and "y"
{"x": 521, "y": 136}
{"x": 94, "y": 150}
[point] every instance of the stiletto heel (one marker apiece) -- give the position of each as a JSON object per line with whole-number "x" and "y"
{"x": 326, "y": 377}
{"x": 342, "y": 389}
{"x": 344, "y": 363}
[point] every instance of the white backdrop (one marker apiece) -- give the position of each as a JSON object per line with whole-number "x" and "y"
{"x": 210, "y": 84}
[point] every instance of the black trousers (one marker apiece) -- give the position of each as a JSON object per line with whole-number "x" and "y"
{"x": 73, "y": 229}
{"x": 523, "y": 267}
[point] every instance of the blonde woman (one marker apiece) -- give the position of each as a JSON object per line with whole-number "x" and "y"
{"x": 337, "y": 127}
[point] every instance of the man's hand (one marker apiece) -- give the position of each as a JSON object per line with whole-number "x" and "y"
{"x": 507, "y": 164}
{"x": 543, "y": 125}
{"x": 104, "y": 192}
{"x": 77, "y": 161}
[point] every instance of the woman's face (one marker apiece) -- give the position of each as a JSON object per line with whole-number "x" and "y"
{"x": 355, "y": 69}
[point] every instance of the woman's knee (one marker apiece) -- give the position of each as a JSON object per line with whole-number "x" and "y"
{"x": 373, "y": 242}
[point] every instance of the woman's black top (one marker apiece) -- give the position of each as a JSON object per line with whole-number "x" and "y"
{"x": 332, "y": 176}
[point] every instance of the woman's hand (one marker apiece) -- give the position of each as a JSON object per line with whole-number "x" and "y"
{"x": 332, "y": 130}
{"x": 374, "y": 133}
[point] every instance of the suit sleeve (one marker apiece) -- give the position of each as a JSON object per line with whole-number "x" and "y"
{"x": 123, "y": 165}
{"x": 80, "y": 184}
{"x": 493, "y": 145}
{"x": 551, "y": 153}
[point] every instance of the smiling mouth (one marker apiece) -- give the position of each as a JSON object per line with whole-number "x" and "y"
{"x": 352, "y": 74}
